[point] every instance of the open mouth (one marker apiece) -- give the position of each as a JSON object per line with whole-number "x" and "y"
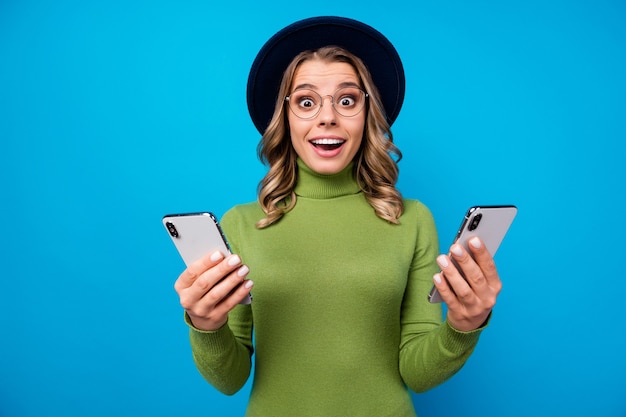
{"x": 328, "y": 144}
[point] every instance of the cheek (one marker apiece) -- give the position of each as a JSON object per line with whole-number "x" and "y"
{"x": 358, "y": 130}
{"x": 296, "y": 136}
{"x": 294, "y": 127}
{"x": 357, "y": 133}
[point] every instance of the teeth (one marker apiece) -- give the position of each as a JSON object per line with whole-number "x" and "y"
{"x": 327, "y": 141}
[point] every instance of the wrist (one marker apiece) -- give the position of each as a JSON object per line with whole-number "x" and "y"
{"x": 203, "y": 325}
{"x": 466, "y": 326}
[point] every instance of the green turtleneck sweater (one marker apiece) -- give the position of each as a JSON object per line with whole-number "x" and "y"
{"x": 341, "y": 320}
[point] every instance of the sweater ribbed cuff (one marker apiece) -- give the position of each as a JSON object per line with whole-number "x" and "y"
{"x": 215, "y": 341}
{"x": 458, "y": 341}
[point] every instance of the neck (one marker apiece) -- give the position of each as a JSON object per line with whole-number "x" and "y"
{"x": 321, "y": 186}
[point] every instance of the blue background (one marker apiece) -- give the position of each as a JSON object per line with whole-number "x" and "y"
{"x": 115, "y": 113}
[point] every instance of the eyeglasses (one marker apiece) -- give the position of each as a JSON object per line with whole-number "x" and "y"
{"x": 347, "y": 101}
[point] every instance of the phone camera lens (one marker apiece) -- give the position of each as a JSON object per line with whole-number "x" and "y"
{"x": 475, "y": 221}
{"x": 172, "y": 229}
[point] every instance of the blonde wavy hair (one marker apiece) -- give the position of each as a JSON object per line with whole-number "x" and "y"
{"x": 375, "y": 164}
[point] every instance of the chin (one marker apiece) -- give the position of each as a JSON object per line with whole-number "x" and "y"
{"x": 328, "y": 167}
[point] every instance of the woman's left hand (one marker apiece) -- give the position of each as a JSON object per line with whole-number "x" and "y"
{"x": 471, "y": 299}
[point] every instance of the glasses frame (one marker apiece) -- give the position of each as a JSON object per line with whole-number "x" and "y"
{"x": 332, "y": 102}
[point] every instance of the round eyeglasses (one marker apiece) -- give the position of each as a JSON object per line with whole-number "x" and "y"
{"x": 347, "y": 101}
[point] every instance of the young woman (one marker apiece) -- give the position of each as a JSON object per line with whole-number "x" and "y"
{"x": 341, "y": 263}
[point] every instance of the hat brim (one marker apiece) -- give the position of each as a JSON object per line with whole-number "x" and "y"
{"x": 372, "y": 47}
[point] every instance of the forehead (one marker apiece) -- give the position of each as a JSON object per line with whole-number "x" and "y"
{"x": 317, "y": 73}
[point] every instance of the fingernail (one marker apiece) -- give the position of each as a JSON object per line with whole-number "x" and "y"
{"x": 456, "y": 249}
{"x": 248, "y": 284}
{"x": 437, "y": 278}
{"x": 442, "y": 261}
{"x": 243, "y": 271}
{"x": 475, "y": 242}
{"x": 234, "y": 260}
{"x": 216, "y": 256}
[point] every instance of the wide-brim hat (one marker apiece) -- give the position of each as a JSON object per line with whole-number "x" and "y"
{"x": 371, "y": 46}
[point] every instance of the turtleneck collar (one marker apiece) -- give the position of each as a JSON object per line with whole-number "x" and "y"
{"x": 321, "y": 186}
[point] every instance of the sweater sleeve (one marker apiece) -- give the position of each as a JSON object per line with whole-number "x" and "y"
{"x": 431, "y": 351}
{"x": 223, "y": 357}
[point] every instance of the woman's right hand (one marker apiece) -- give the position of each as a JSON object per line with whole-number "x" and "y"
{"x": 211, "y": 287}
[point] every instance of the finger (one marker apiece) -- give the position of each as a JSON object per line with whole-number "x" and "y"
{"x": 479, "y": 270}
{"x": 445, "y": 291}
{"x": 224, "y": 295}
{"x": 210, "y": 278}
{"x": 193, "y": 271}
{"x": 457, "y": 283}
{"x": 225, "y": 287}
{"x": 485, "y": 261}
{"x": 468, "y": 267}
{"x": 236, "y": 295}
{"x": 211, "y": 311}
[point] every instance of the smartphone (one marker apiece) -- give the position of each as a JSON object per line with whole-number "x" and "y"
{"x": 195, "y": 235}
{"x": 489, "y": 223}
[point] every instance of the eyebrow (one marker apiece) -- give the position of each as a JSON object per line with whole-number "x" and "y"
{"x": 312, "y": 87}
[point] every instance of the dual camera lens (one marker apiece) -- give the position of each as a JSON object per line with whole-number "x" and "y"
{"x": 474, "y": 222}
{"x": 172, "y": 229}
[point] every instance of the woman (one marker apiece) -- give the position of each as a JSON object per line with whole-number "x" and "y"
{"x": 341, "y": 263}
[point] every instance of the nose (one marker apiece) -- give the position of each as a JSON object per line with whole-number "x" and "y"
{"x": 327, "y": 115}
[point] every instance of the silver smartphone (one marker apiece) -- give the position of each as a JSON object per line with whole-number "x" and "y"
{"x": 195, "y": 235}
{"x": 489, "y": 223}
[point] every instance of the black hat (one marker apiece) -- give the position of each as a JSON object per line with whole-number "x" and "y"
{"x": 371, "y": 46}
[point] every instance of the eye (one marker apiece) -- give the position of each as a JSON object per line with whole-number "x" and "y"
{"x": 306, "y": 102}
{"x": 347, "y": 101}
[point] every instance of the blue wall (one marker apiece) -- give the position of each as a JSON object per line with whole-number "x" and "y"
{"x": 115, "y": 113}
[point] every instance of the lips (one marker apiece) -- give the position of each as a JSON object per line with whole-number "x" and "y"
{"x": 327, "y": 144}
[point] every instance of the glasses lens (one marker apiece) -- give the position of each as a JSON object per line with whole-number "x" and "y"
{"x": 305, "y": 103}
{"x": 349, "y": 101}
